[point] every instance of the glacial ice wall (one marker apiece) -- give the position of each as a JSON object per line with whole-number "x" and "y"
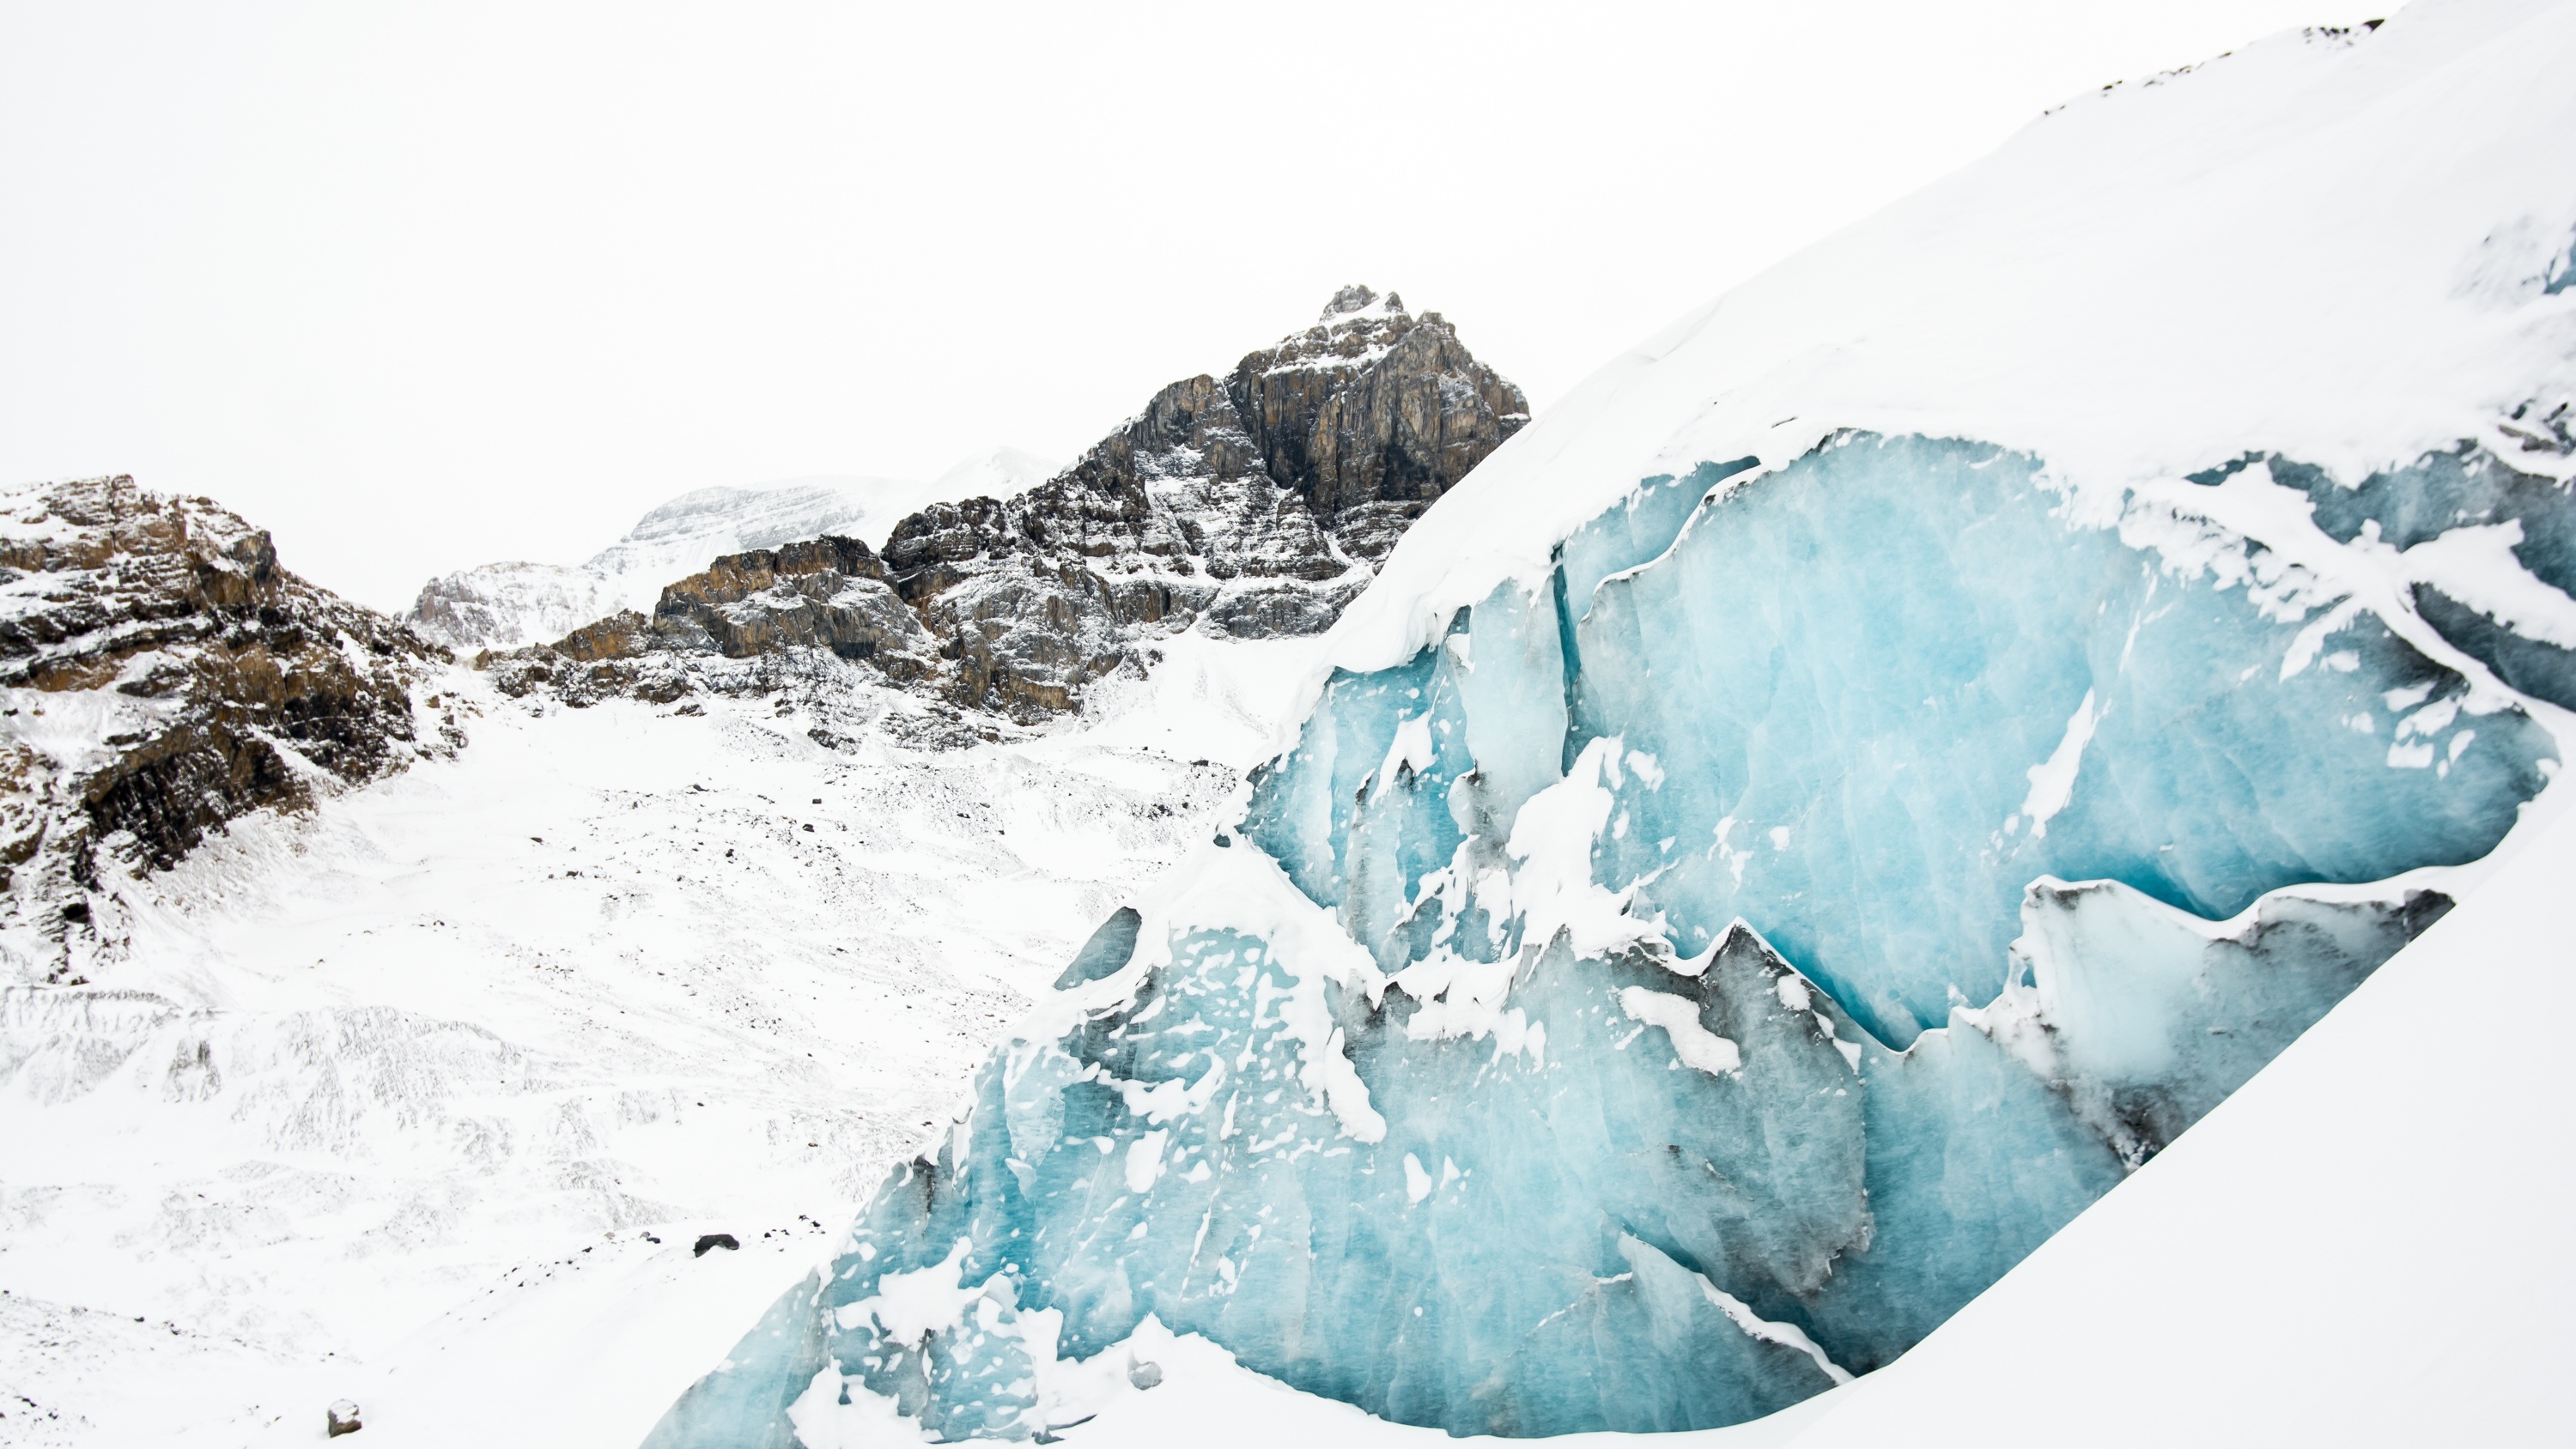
{"x": 1692, "y": 979}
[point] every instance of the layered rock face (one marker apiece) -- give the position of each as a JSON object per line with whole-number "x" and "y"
{"x": 160, "y": 674}
{"x": 1256, "y": 506}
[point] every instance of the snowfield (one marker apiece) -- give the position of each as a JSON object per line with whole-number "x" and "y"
{"x": 392, "y": 1101}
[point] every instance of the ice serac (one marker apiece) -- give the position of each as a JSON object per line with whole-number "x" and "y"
{"x": 1786, "y": 839}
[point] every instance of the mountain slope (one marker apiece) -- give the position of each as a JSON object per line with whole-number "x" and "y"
{"x": 411, "y": 1096}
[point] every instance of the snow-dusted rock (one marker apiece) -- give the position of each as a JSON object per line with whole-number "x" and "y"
{"x": 748, "y": 624}
{"x": 508, "y": 605}
{"x": 161, "y": 674}
{"x": 1370, "y": 415}
{"x": 1258, "y": 503}
{"x": 1252, "y": 507}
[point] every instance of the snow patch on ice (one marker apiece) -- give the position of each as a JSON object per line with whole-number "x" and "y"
{"x": 1694, "y": 1045}
{"x": 2052, "y": 781}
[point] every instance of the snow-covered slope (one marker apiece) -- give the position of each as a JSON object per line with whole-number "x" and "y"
{"x": 391, "y": 1100}
{"x": 1821, "y": 808}
{"x": 506, "y": 605}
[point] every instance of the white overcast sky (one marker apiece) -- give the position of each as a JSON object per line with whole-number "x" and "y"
{"x": 423, "y": 286}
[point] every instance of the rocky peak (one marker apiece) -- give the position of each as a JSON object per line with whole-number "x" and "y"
{"x": 1259, "y": 503}
{"x": 1371, "y": 415}
{"x": 1357, "y": 298}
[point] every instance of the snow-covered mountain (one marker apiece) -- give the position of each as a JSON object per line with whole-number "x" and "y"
{"x": 508, "y": 605}
{"x": 556, "y": 1019}
{"x": 1252, "y": 507}
{"x": 505, "y": 605}
{"x": 1819, "y": 808}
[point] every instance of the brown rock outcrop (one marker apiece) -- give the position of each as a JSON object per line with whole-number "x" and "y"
{"x": 827, "y": 595}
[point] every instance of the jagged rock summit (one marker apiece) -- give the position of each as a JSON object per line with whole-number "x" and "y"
{"x": 1256, "y": 505}
{"x": 161, "y": 674}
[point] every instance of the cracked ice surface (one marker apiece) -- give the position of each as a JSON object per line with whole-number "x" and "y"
{"x": 1649, "y": 1006}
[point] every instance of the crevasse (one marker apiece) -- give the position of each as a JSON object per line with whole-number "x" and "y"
{"x": 1694, "y": 977}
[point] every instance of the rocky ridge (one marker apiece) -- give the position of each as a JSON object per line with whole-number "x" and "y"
{"x": 1256, "y": 505}
{"x": 508, "y": 605}
{"x": 160, "y": 675}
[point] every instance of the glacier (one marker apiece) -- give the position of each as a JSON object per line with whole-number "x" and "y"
{"x": 1818, "y": 808}
{"x": 1684, "y": 985}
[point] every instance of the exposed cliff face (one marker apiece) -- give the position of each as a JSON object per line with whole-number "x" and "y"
{"x": 161, "y": 674}
{"x": 1371, "y": 414}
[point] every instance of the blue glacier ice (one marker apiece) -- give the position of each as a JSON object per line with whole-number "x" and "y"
{"x": 1693, "y": 977}
{"x": 2467, "y": 487}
